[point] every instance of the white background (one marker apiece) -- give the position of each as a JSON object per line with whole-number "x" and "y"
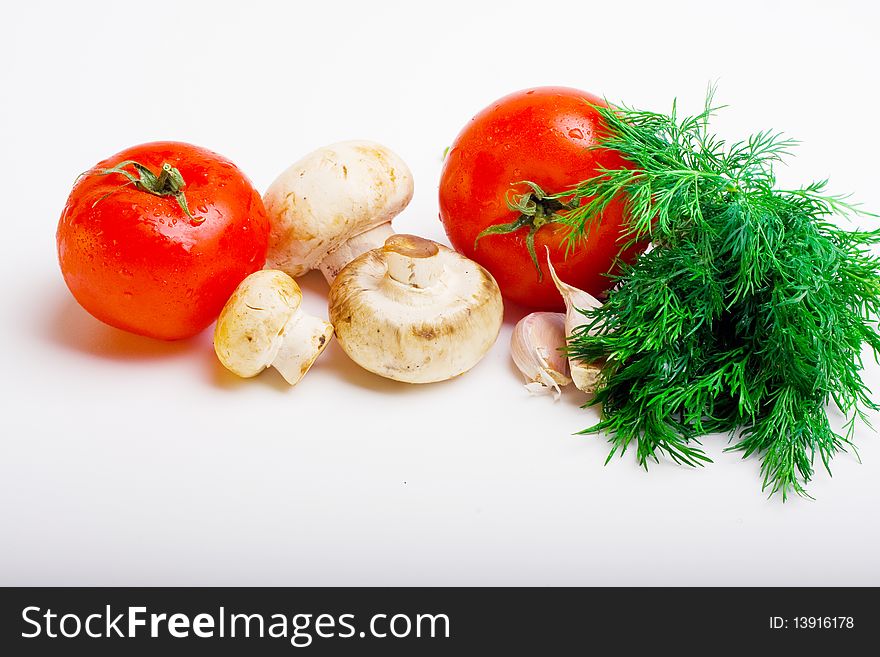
{"x": 127, "y": 461}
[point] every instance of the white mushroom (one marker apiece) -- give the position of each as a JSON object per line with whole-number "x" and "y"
{"x": 333, "y": 205}
{"x": 415, "y": 311}
{"x": 536, "y": 348}
{"x": 263, "y": 325}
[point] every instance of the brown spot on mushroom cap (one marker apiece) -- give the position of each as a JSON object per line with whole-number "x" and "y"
{"x": 425, "y": 331}
{"x": 488, "y": 285}
{"x": 438, "y": 330}
{"x": 371, "y": 152}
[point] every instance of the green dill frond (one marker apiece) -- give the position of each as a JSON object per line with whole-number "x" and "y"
{"x": 749, "y": 314}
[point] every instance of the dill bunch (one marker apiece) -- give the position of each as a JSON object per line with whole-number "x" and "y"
{"x": 747, "y": 316}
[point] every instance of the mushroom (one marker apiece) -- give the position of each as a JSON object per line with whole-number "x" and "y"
{"x": 333, "y": 205}
{"x": 415, "y": 311}
{"x": 263, "y": 325}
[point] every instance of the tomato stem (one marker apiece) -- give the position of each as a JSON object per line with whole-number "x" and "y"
{"x": 536, "y": 209}
{"x": 169, "y": 182}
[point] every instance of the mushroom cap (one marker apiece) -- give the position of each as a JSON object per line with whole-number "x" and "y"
{"x": 412, "y": 332}
{"x": 330, "y": 196}
{"x": 250, "y": 328}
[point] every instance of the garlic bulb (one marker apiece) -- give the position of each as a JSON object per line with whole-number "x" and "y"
{"x": 585, "y": 375}
{"x": 535, "y": 348}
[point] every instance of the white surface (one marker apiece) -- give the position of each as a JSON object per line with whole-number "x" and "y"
{"x": 125, "y": 461}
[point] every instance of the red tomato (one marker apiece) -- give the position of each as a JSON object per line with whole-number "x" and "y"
{"x": 541, "y": 135}
{"x": 138, "y": 261}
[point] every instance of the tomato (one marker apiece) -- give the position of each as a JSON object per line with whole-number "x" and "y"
{"x": 161, "y": 264}
{"x": 541, "y": 135}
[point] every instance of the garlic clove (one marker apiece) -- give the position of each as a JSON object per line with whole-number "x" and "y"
{"x": 535, "y": 347}
{"x": 584, "y": 375}
{"x": 575, "y": 299}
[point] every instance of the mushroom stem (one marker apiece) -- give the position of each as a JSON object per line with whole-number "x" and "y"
{"x": 371, "y": 239}
{"x": 411, "y": 260}
{"x": 305, "y": 337}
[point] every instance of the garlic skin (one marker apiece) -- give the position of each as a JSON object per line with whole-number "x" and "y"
{"x": 584, "y": 375}
{"x": 535, "y": 348}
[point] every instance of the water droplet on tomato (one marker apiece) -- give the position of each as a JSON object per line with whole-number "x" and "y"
{"x": 576, "y": 133}
{"x": 127, "y": 295}
{"x": 202, "y": 208}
